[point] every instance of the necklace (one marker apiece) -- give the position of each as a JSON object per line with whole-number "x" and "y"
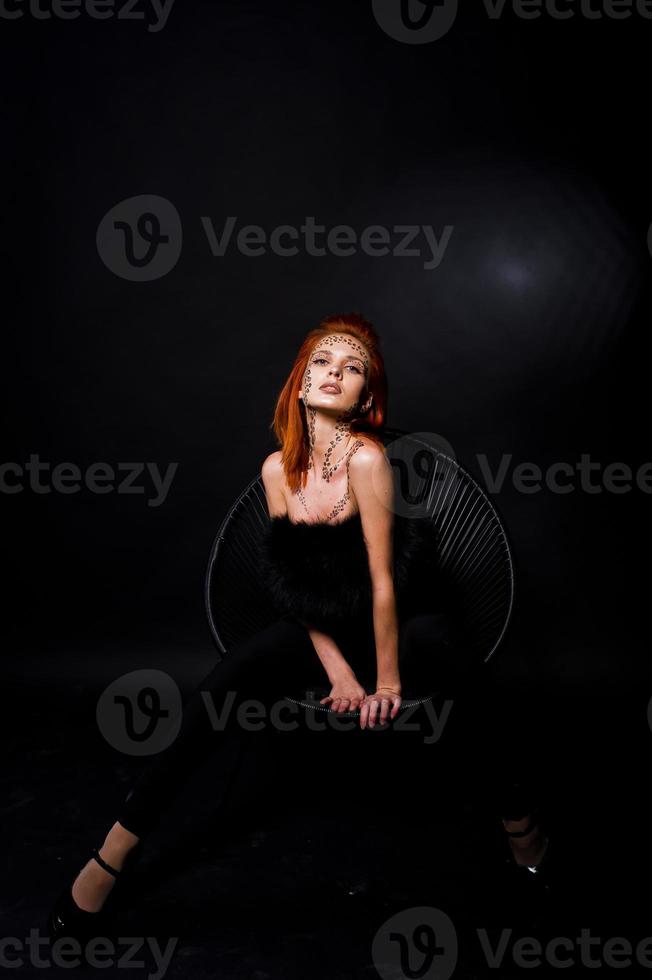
{"x": 339, "y": 506}
{"x": 327, "y": 470}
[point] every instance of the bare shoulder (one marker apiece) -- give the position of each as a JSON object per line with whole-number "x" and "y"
{"x": 273, "y": 477}
{"x": 272, "y": 467}
{"x": 367, "y": 456}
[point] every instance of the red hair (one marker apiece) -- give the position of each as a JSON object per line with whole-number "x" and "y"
{"x": 289, "y": 423}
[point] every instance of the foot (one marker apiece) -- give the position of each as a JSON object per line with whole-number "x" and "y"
{"x": 528, "y": 851}
{"x": 93, "y": 884}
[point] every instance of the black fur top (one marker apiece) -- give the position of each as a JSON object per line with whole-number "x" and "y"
{"x": 318, "y": 573}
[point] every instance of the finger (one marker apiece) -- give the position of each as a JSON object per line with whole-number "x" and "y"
{"x": 373, "y": 711}
{"x": 397, "y": 705}
{"x": 324, "y": 700}
{"x": 364, "y": 714}
{"x": 344, "y": 704}
{"x": 335, "y": 704}
{"x": 384, "y": 710}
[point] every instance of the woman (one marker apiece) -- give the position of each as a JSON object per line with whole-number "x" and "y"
{"x": 340, "y": 569}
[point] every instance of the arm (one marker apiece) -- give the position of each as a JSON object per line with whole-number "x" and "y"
{"x": 333, "y": 662}
{"x": 346, "y": 692}
{"x": 386, "y": 635}
{"x": 372, "y": 483}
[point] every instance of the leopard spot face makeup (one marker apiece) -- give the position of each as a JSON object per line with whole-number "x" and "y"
{"x": 348, "y": 369}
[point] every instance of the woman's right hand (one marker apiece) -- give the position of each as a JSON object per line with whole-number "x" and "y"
{"x": 346, "y": 693}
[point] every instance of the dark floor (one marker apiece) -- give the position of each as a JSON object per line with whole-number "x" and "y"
{"x": 297, "y": 870}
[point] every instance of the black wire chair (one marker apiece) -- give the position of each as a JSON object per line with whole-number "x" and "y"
{"x": 474, "y": 554}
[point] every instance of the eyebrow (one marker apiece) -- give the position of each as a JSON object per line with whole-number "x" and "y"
{"x": 349, "y": 357}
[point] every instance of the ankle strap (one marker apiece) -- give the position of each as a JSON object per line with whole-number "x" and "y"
{"x": 103, "y": 864}
{"x": 523, "y": 833}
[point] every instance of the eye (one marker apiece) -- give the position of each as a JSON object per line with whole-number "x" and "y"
{"x": 322, "y": 360}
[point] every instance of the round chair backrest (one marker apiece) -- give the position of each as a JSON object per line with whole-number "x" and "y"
{"x": 474, "y": 554}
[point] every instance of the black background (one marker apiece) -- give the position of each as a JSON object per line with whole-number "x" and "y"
{"x": 531, "y": 339}
{"x": 528, "y": 136}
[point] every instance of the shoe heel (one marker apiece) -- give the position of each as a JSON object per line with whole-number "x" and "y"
{"x": 66, "y": 918}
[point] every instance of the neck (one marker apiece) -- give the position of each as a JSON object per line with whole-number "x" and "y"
{"x": 324, "y": 433}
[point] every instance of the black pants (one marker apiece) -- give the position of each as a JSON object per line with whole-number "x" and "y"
{"x": 280, "y": 661}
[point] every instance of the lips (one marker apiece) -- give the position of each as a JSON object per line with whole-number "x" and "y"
{"x": 330, "y": 387}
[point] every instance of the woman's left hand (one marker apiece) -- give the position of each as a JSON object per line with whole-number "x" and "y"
{"x": 382, "y": 699}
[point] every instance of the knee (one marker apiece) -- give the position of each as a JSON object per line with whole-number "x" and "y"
{"x": 430, "y": 649}
{"x": 426, "y": 630}
{"x": 266, "y": 659}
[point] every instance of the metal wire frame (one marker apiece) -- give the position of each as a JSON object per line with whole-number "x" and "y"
{"x": 474, "y": 552}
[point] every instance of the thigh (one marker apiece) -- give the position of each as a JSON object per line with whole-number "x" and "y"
{"x": 260, "y": 667}
{"x": 277, "y": 657}
{"x": 432, "y": 655}
{"x": 267, "y": 666}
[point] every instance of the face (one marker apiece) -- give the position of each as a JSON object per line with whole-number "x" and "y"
{"x": 340, "y": 360}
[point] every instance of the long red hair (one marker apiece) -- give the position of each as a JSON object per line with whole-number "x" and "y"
{"x": 289, "y": 423}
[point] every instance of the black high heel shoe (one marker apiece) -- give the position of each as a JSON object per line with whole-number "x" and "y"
{"x": 542, "y": 863}
{"x": 66, "y": 918}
